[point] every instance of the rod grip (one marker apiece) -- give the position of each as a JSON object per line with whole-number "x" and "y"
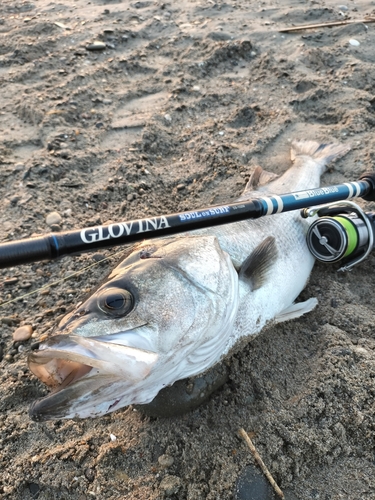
{"x": 18, "y": 252}
{"x": 370, "y": 178}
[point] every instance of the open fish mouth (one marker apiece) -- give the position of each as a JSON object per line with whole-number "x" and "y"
{"x": 75, "y": 367}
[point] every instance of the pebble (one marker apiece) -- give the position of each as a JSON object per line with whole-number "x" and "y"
{"x": 343, "y": 7}
{"x": 9, "y": 358}
{"x": 97, "y": 257}
{"x": 22, "y": 333}
{"x": 26, "y": 285}
{"x": 354, "y": 43}
{"x": 11, "y": 281}
{"x": 165, "y": 461}
{"x": 96, "y": 46}
{"x": 180, "y": 187}
{"x": 168, "y": 118}
{"x": 89, "y": 474}
{"x": 53, "y": 218}
{"x": 170, "y": 485}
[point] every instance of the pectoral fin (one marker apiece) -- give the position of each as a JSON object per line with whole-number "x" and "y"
{"x": 296, "y": 310}
{"x": 258, "y": 264}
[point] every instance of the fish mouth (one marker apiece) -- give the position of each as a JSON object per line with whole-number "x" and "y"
{"x": 79, "y": 368}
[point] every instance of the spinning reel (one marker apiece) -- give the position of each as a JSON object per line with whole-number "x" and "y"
{"x": 342, "y": 231}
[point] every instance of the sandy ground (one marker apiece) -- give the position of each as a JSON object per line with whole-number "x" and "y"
{"x": 185, "y": 98}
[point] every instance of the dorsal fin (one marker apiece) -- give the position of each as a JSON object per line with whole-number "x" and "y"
{"x": 259, "y": 177}
{"x": 257, "y": 265}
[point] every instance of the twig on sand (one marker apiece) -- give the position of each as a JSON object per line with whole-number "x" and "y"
{"x": 328, "y": 24}
{"x": 260, "y": 462}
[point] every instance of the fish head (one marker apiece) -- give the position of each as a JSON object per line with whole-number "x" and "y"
{"x": 164, "y": 314}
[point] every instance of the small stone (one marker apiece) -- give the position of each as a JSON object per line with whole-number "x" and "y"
{"x": 26, "y": 285}
{"x": 168, "y": 117}
{"x": 89, "y": 474}
{"x": 113, "y": 437}
{"x": 9, "y": 358}
{"x": 354, "y": 43}
{"x": 97, "y": 257}
{"x": 22, "y": 333}
{"x": 55, "y": 227}
{"x": 180, "y": 187}
{"x": 165, "y": 461}
{"x": 107, "y": 101}
{"x": 53, "y": 218}
{"x": 170, "y": 485}
{"x": 10, "y": 281}
{"x": 96, "y": 46}
{"x": 343, "y": 7}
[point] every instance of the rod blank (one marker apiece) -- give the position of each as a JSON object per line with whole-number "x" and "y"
{"x": 56, "y": 245}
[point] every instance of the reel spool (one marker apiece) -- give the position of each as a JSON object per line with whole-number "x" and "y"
{"x": 341, "y": 232}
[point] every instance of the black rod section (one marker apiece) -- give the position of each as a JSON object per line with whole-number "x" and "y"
{"x": 57, "y": 245}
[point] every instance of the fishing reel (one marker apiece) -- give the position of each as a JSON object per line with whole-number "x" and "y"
{"x": 342, "y": 231}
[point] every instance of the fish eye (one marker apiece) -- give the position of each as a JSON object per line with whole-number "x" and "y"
{"x": 116, "y": 302}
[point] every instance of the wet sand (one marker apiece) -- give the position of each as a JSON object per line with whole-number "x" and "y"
{"x": 171, "y": 114}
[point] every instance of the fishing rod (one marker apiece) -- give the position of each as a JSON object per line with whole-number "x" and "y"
{"x": 55, "y": 245}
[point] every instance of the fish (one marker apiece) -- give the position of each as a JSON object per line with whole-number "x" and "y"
{"x": 178, "y": 305}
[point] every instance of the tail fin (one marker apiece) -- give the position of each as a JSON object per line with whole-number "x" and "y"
{"x": 323, "y": 152}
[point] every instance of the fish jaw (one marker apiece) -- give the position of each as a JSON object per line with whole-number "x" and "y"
{"x": 83, "y": 373}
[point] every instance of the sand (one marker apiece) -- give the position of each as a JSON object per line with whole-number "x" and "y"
{"x": 184, "y": 99}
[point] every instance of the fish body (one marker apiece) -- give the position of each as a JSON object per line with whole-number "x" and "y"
{"x": 176, "y": 306}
